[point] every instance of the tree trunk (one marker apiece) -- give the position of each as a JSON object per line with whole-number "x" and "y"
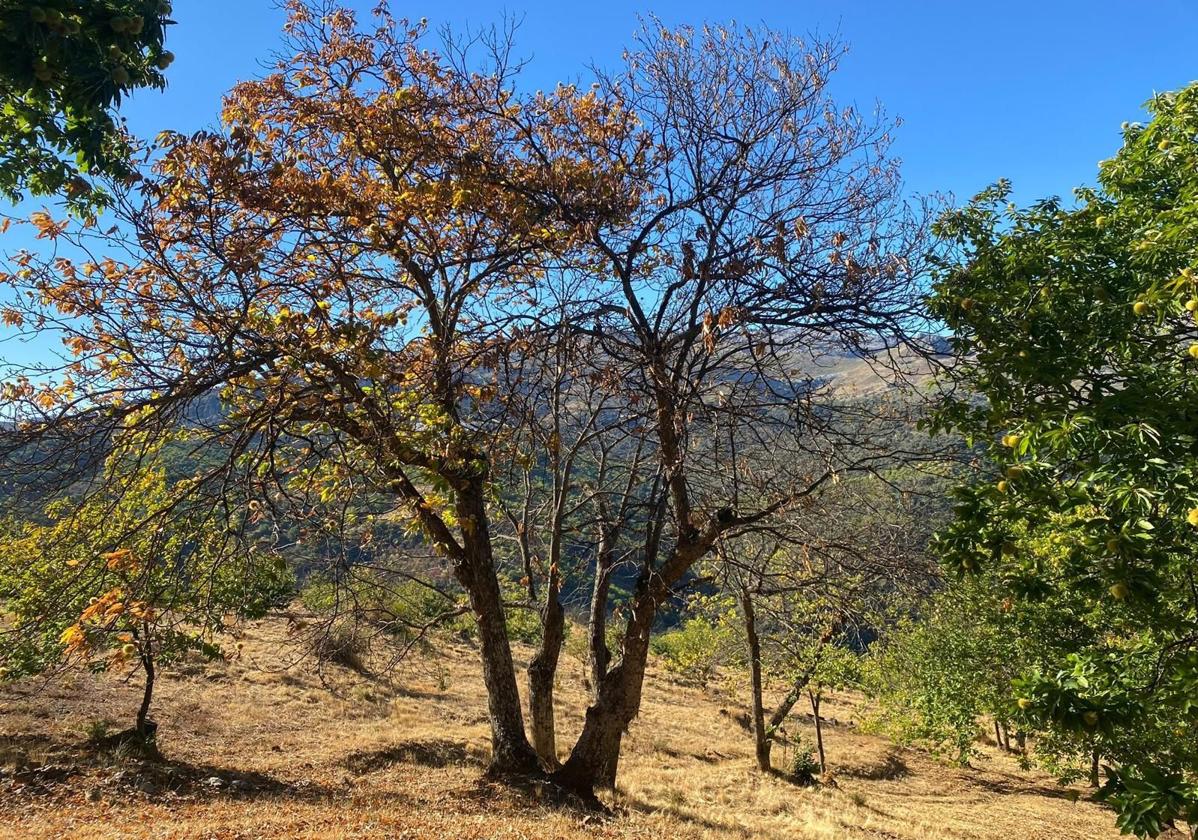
{"x": 1006, "y": 737}
{"x": 761, "y": 736}
{"x": 997, "y": 734}
{"x": 609, "y": 764}
{"x": 511, "y": 753}
{"x": 600, "y": 658}
{"x": 816, "y": 699}
{"x": 595, "y": 757}
{"x": 146, "y": 728}
{"x": 543, "y": 669}
{"x": 1094, "y": 769}
{"x": 599, "y": 655}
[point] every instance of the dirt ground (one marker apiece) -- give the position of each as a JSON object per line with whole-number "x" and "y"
{"x": 266, "y": 746}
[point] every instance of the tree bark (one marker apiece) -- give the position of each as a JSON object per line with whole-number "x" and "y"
{"x": 761, "y": 736}
{"x": 511, "y": 753}
{"x": 595, "y": 757}
{"x": 1094, "y": 758}
{"x": 598, "y": 654}
{"x": 543, "y": 669}
{"x": 816, "y": 699}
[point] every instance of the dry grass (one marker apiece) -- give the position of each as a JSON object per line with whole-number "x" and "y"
{"x": 342, "y": 755}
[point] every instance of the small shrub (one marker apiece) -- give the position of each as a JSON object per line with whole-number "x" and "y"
{"x": 371, "y": 595}
{"x": 364, "y": 694}
{"x": 578, "y": 643}
{"x": 342, "y": 644}
{"x": 523, "y": 625}
{"x": 98, "y": 730}
{"x": 803, "y": 768}
{"x": 318, "y": 595}
{"x": 578, "y": 639}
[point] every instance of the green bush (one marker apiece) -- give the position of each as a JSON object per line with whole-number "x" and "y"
{"x": 803, "y": 767}
{"x": 523, "y": 625}
{"x": 694, "y": 650}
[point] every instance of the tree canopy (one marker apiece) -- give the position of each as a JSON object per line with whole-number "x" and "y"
{"x": 1076, "y": 328}
{"x": 403, "y": 280}
{"x": 65, "y": 66}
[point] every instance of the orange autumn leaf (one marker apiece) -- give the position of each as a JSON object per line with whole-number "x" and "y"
{"x": 47, "y": 228}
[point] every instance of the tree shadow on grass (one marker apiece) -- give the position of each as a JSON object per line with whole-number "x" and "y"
{"x": 46, "y": 767}
{"x": 1007, "y": 784}
{"x": 729, "y": 829}
{"x": 185, "y": 778}
{"x": 891, "y": 767}
{"x": 19, "y": 751}
{"x": 710, "y": 757}
{"x": 435, "y": 752}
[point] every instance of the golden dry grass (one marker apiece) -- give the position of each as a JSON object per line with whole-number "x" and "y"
{"x": 349, "y": 756}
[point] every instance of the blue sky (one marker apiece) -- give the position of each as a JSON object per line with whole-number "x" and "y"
{"x": 1031, "y": 91}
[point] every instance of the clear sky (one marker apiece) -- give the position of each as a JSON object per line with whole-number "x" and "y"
{"x": 1031, "y": 90}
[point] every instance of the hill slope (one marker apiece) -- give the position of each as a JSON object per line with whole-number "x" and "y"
{"x": 257, "y": 749}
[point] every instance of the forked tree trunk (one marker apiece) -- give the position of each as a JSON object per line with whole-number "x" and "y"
{"x": 761, "y": 736}
{"x": 511, "y": 753}
{"x": 594, "y": 760}
{"x": 595, "y": 757}
{"x": 542, "y": 671}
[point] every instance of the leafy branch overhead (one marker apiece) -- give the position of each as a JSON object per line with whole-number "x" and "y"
{"x": 65, "y": 66}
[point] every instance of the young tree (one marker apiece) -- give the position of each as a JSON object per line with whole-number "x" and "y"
{"x": 837, "y": 669}
{"x": 816, "y": 581}
{"x": 931, "y": 678}
{"x": 1076, "y": 344}
{"x": 110, "y": 579}
{"x": 64, "y": 68}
